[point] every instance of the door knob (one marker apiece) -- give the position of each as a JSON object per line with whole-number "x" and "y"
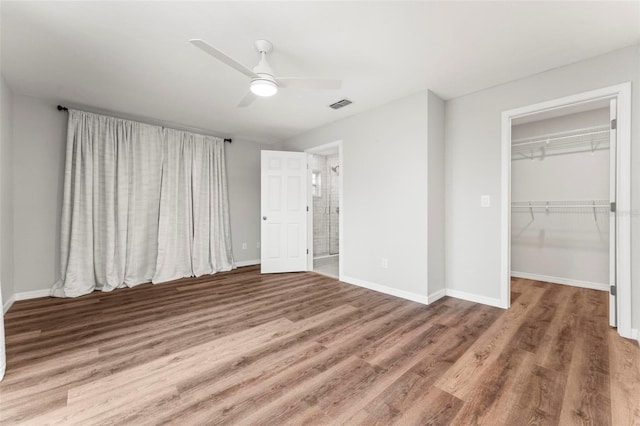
{"x": 264, "y": 218}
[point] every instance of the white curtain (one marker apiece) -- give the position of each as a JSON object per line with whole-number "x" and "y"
{"x": 141, "y": 204}
{"x": 194, "y": 237}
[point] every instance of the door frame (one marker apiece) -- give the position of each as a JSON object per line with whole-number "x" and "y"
{"x": 622, "y": 94}
{"x": 318, "y": 150}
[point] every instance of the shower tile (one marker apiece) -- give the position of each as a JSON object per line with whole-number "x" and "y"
{"x": 325, "y": 212}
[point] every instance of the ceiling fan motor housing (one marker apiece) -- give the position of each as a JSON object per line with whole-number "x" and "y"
{"x": 263, "y": 69}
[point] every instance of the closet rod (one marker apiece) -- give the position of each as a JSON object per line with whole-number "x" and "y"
{"x": 64, "y": 108}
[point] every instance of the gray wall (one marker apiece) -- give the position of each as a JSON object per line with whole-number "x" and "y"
{"x": 6, "y": 189}
{"x": 385, "y": 184}
{"x": 473, "y": 165}
{"x": 38, "y": 158}
{"x": 39, "y": 133}
{"x": 243, "y": 172}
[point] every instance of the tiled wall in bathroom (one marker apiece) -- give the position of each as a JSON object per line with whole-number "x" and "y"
{"x": 320, "y": 237}
{"x": 325, "y": 213}
{"x": 334, "y": 203}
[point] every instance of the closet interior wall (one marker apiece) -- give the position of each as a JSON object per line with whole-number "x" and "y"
{"x": 553, "y": 237}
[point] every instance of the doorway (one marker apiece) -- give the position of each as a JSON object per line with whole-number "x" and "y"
{"x": 566, "y": 181}
{"x": 325, "y": 202}
{"x": 561, "y": 189}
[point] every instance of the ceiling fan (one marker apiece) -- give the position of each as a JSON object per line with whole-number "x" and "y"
{"x": 263, "y": 80}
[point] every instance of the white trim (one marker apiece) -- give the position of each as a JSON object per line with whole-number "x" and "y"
{"x": 622, "y": 92}
{"x": 341, "y": 211}
{"x": 473, "y": 298}
{"x": 635, "y": 335}
{"x": 8, "y": 303}
{"x": 564, "y": 281}
{"x": 414, "y": 297}
{"x": 26, "y": 295}
{"x": 613, "y": 144}
{"x": 505, "y": 214}
{"x": 310, "y": 253}
{"x": 252, "y": 262}
{"x": 623, "y": 211}
{"x": 436, "y": 296}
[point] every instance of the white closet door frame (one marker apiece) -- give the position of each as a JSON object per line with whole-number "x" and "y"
{"x": 613, "y": 133}
{"x": 622, "y": 95}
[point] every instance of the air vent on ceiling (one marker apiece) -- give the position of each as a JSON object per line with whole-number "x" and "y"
{"x": 340, "y": 104}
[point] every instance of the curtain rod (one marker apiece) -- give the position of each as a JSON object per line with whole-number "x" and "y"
{"x": 64, "y": 108}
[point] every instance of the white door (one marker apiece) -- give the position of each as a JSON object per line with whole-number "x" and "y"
{"x": 613, "y": 167}
{"x": 284, "y": 212}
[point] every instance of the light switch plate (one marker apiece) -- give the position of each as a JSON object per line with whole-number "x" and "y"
{"x": 485, "y": 201}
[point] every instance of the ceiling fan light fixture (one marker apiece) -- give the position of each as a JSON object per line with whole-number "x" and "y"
{"x": 263, "y": 87}
{"x": 264, "y": 82}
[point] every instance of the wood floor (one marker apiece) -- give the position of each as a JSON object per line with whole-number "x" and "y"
{"x": 241, "y": 348}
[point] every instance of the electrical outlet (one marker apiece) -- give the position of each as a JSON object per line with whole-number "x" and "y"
{"x": 384, "y": 262}
{"x": 485, "y": 201}
{"x": 258, "y": 244}
{"x": 244, "y": 246}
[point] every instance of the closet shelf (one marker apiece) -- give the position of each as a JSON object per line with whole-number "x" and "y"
{"x": 571, "y": 206}
{"x": 590, "y": 139}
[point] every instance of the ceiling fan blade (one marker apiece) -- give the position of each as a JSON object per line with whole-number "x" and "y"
{"x": 309, "y": 83}
{"x": 223, "y": 57}
{"x": 247, "y": 100}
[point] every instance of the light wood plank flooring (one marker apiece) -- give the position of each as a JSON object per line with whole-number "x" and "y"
{"x": 241, "y": 348}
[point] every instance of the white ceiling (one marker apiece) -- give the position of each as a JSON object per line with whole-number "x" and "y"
{"x": 133, "y": 58}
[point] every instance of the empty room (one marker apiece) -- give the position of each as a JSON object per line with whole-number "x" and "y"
{"x": 320, "y": 213}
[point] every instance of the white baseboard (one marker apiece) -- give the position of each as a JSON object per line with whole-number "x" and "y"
{"x": 474, "y": 298}
{"x": 414, "y": 297}
{"x": 7, "y": 304}
{"x": 242, "y": 263}
{"x": 435, "y": 296}
{"x": 565, "y": 281}
{"x": 635, "y": 335}
{"x": 26, "y": 295}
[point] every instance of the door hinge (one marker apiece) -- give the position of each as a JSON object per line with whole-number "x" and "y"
{"x": 612, "y": 290}
{"x": 613, "y": 207}
{"x": 307, "y": 208}
{"x": 614, "y": 124}
{"x": 307, "y": 251}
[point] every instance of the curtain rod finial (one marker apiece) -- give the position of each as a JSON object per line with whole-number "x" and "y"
{"x": 61, "y": 108}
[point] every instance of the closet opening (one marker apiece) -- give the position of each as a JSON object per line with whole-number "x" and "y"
{"x": 561, "y": 189}
{"x": 566, "y": 198}
{"x": 325, "y": 200}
